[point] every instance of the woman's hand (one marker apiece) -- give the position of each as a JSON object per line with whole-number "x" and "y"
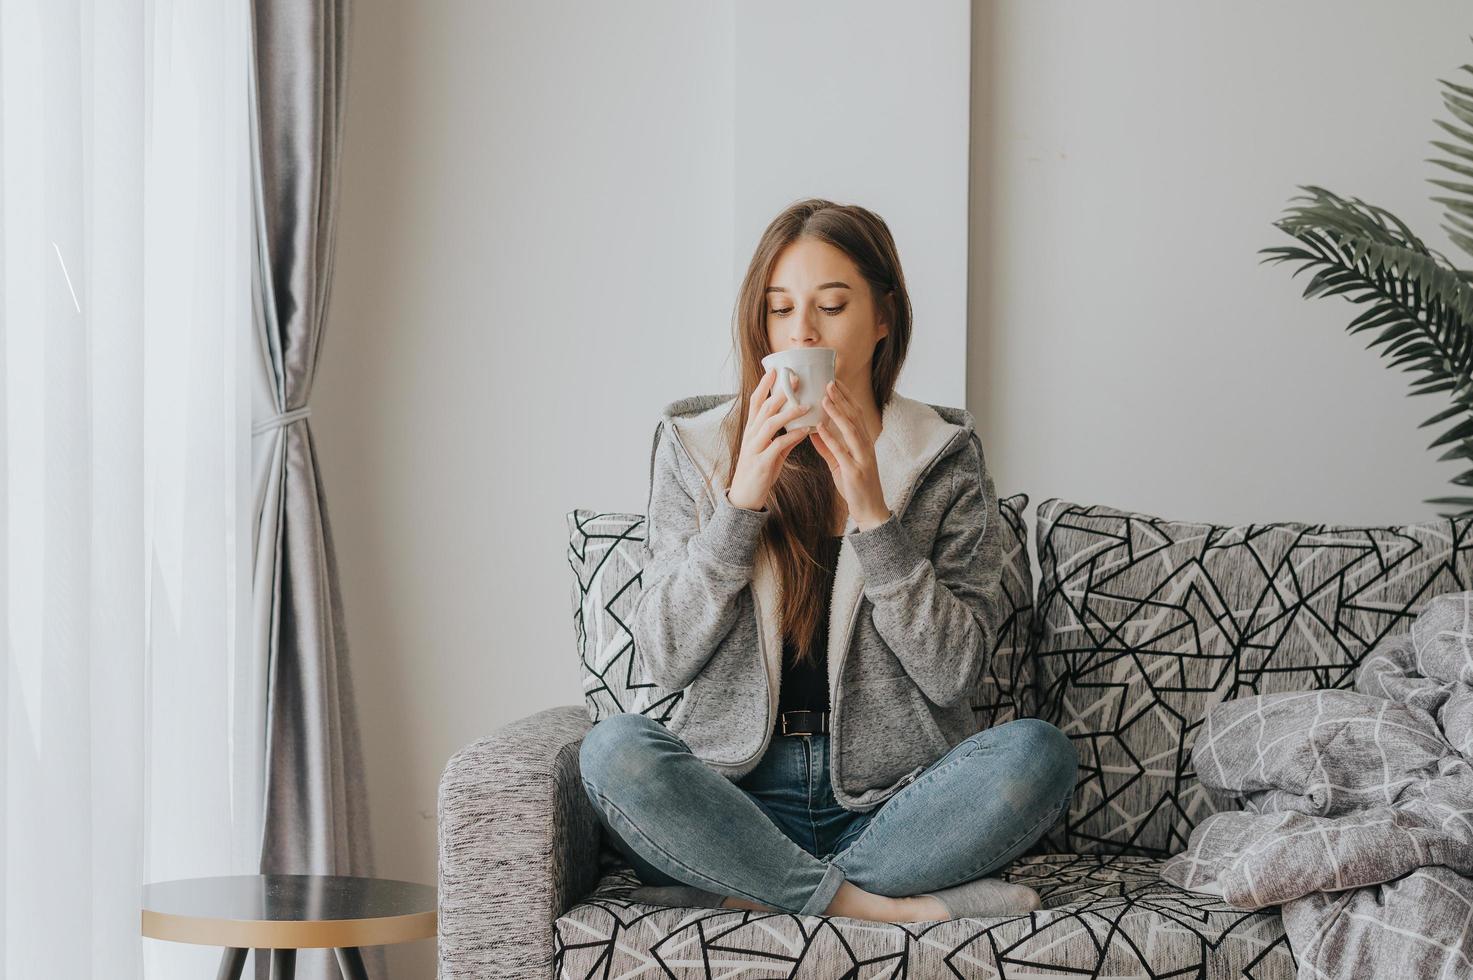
{"x": 763, "y": 452}
{"x": 849, "y": 448}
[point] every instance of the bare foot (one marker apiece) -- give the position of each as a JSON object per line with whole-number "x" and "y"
{"x": 856, "y": 903}
{"x": 924, "y": 908}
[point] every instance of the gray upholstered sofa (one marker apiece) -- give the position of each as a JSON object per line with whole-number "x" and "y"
{"x": 1137, "y": 626}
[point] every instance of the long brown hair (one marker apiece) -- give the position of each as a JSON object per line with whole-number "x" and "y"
{"x": 803, "y": 499}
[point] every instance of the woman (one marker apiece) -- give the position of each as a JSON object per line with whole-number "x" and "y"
{"x": 826, "y": 598}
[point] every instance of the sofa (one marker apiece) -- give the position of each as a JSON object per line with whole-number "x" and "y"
{"x": 1137, "y": 625}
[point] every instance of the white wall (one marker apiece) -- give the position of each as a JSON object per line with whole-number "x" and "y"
{"x": 1129, "y": 158}
{"x": 530, "y": 186}
{"x": 865, "y": 102}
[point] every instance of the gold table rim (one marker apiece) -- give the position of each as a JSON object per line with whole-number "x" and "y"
{"x": 289, "y": 933}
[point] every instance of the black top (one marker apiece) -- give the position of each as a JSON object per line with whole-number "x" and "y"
{"x": 806, "y": 685}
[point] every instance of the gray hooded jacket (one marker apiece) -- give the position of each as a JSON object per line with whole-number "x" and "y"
{"x": 912, "y": 616}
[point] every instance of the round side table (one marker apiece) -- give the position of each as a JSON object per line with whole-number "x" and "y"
{"x": 285, "y": 913}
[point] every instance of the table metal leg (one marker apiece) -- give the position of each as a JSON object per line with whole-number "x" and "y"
{"x": 350, "y": 962}
{"x": 283, "y": 964}
{"x": 231, "y": 963}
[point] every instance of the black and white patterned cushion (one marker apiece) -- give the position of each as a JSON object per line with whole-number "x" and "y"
{"x": 606, "y": 552}
{"x": 1102, "y": 916}
{"x": 1144, "y": 623}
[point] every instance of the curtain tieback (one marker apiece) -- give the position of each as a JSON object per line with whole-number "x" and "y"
{"x": 280, "y": 421}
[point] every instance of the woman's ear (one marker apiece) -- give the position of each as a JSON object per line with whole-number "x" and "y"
{"x": 889, "y": 306}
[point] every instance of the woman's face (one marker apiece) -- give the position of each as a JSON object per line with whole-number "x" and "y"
{"x": 817, "y": 298}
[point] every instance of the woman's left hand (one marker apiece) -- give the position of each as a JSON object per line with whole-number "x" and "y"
{"x": 849, "y": 448}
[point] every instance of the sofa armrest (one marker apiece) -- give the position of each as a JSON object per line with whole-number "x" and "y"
{"x": 518, "y": 845}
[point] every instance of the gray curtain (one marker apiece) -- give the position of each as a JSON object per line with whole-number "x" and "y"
{"x": 315, "y": 813}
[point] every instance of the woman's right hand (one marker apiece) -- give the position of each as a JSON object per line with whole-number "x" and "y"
{"x": 763, "y": 452}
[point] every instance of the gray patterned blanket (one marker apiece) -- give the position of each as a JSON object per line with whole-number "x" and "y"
{"x": 1357, "y": 808}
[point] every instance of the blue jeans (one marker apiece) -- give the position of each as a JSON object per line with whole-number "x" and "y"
{"x": 779, "y": 838}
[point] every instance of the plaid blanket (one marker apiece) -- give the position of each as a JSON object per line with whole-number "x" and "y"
{"x": 1357, "y": 808}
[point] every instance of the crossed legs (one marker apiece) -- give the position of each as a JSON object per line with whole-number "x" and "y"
{"x": 680, "y": 822}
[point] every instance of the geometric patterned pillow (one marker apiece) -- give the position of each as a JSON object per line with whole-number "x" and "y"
{"x": 1006, "y": 688}
{"x": 1143, "y": 624}
{"x": 607, "y": 552}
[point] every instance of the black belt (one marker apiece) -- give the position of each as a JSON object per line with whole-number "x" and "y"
{"x": 803, "y": 722}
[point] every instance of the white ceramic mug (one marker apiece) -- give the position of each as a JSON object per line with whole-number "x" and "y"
{"x": 814, "y": 368}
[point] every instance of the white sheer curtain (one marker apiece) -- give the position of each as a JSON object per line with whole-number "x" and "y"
{"x": 128, "y": 700}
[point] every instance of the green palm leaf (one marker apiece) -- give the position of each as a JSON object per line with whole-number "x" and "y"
{"x": 1458, "y": 212}
{"x": 1418, "y": 305}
